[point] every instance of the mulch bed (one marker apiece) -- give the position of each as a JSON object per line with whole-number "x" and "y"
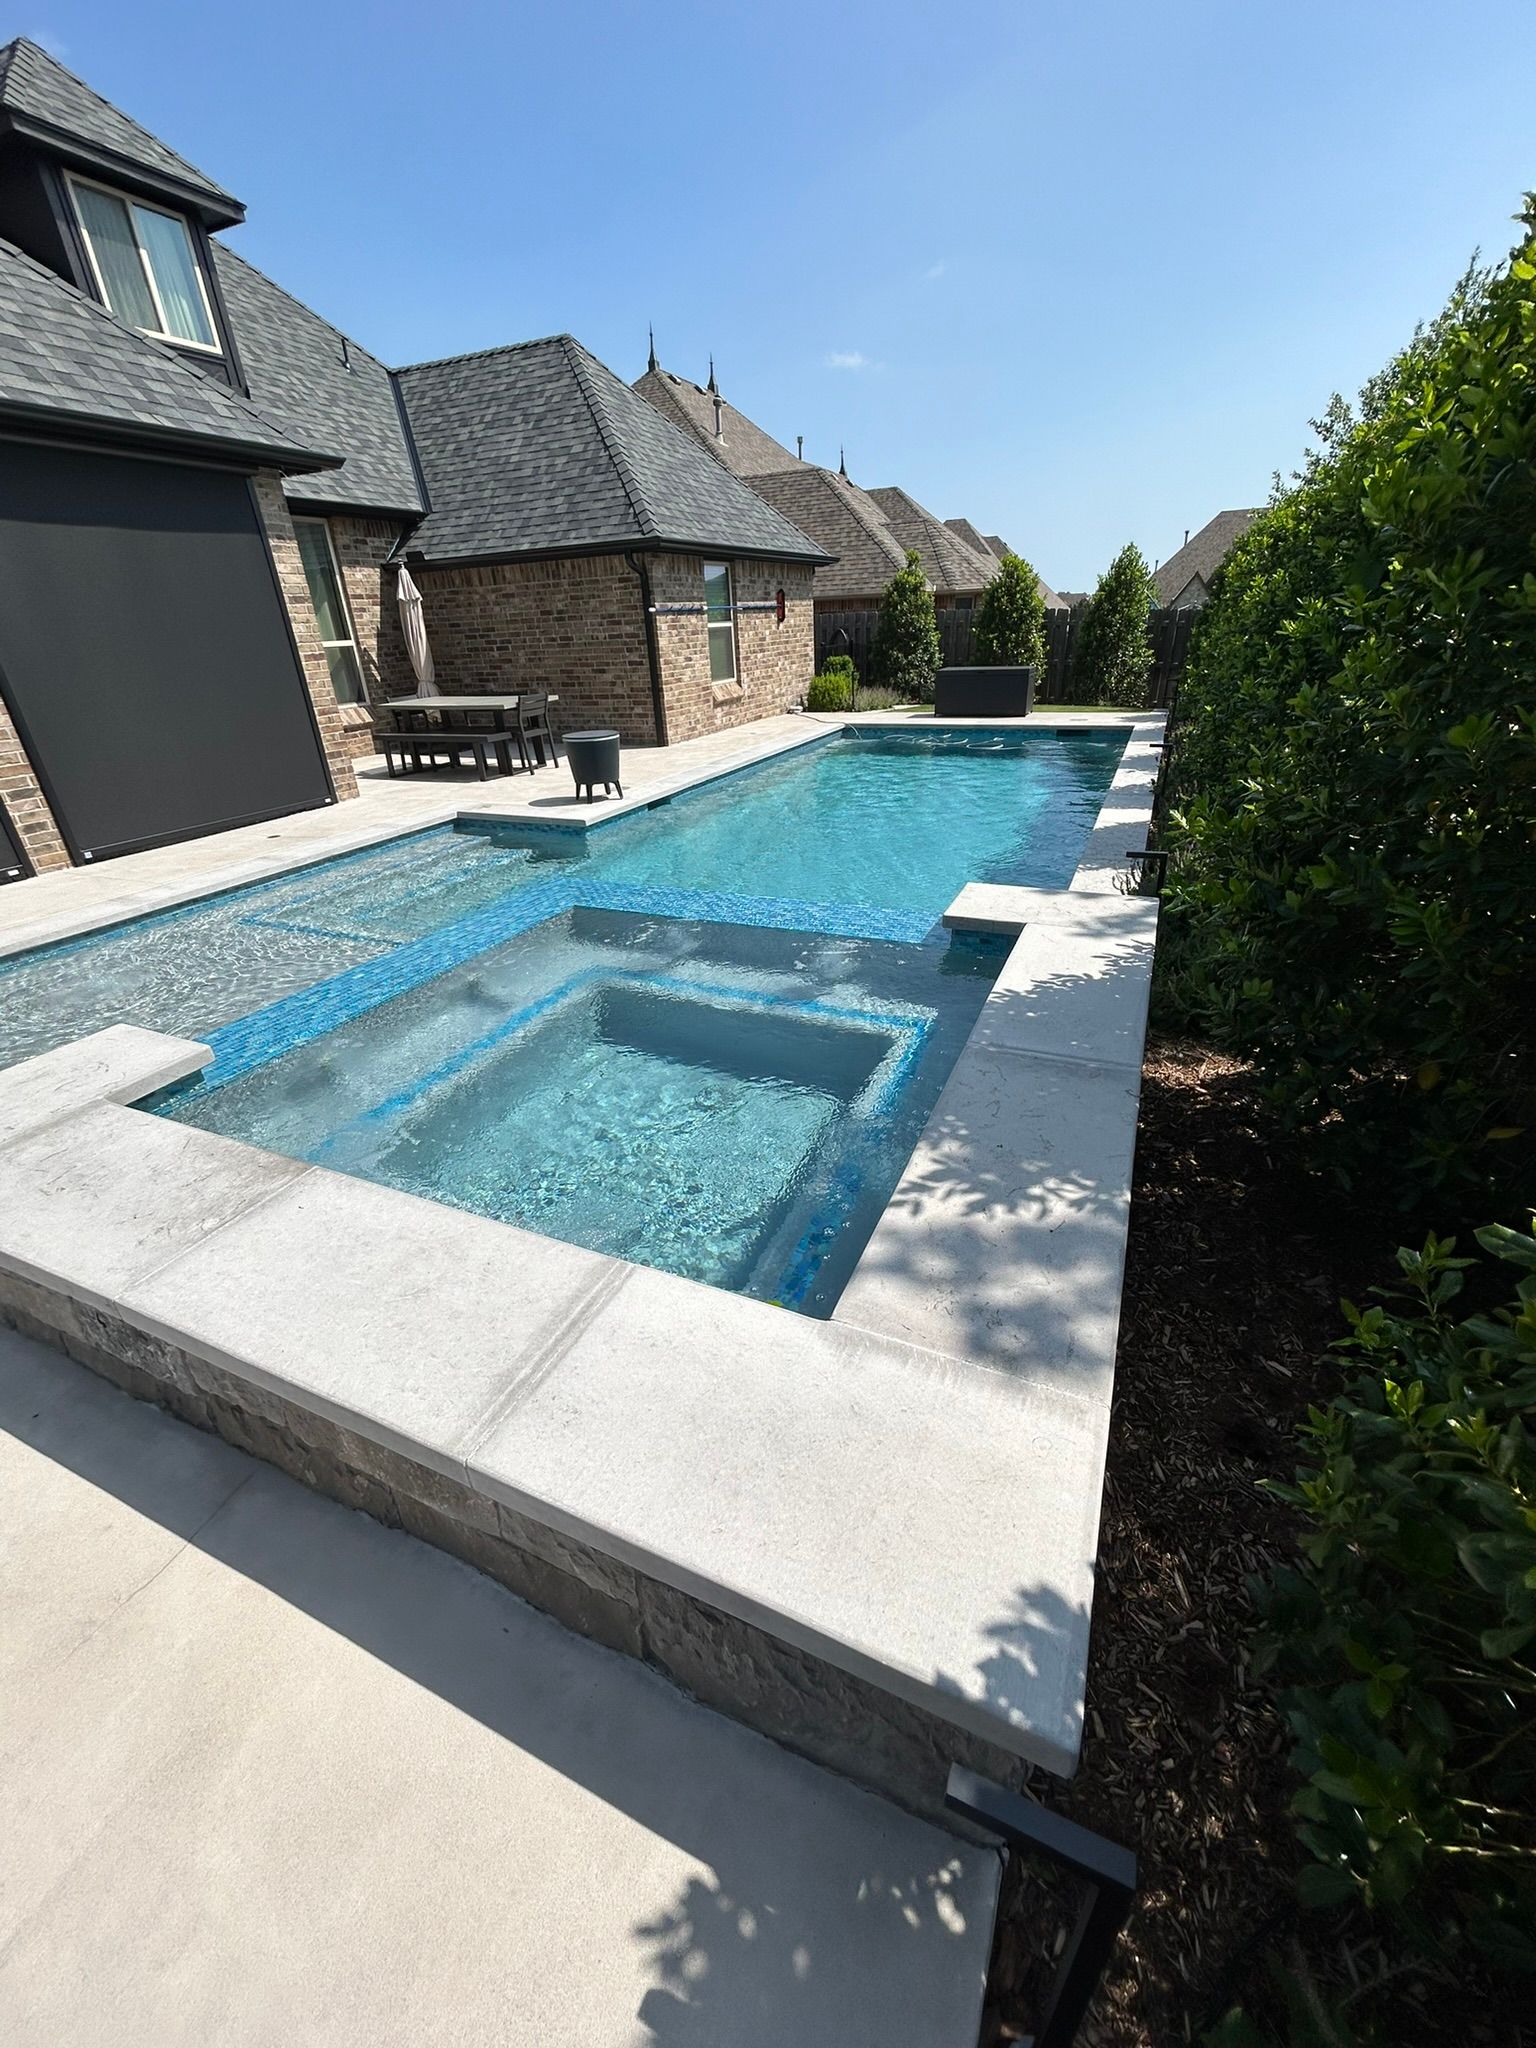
{"x": 1234, "y": 1273}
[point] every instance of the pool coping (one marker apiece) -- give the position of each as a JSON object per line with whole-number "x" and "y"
{"x": 681, "y": 1443}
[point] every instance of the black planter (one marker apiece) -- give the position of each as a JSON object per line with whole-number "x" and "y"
{"x": 594, "y": 759}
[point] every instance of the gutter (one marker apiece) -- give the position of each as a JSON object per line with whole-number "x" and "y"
{"x": 652, "y": 650}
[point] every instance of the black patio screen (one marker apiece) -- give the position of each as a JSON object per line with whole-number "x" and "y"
{"x": 144, "y": 652}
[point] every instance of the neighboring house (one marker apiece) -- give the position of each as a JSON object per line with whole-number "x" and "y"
{"x": 869, "y": 531}
{"x": 993, "y": 544}
{"x": 1185, "y": 578}
{"x": 204, "y": 487}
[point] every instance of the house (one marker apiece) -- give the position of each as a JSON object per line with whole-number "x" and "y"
{"x": 205, "y": 490}
{"x": 1185, "y": 578}
{"x": 994, "y": 544}
{"x": 869, "y": 531}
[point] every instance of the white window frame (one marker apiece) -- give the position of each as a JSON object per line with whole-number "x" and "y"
{"x": 312, "y": 519}
{"x": 733, "y": 680}
{"x": 128, "y": 200}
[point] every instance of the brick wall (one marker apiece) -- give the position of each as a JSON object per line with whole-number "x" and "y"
{"x": 575, "y": 627}
{"x": 306, "y": 631}
{"x": 25, "y": 804}
{"x": 773, "y": 661}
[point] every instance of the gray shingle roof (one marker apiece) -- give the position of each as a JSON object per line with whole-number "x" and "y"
{"x": 950, "y": 566}
{"x": 321, "y": 388}
{"x": 539, "y": 448}
{"x": 844, "y": 520}
{"x": 38, "y": 94}
{"x": 64, "y": 361}
{"x": 741, "y": 444}
{"x": 1201, "y": 555}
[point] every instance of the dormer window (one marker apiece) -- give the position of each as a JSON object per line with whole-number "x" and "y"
{"x": 145, "y": 266}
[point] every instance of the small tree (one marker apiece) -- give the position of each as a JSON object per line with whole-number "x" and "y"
{"x": 1113, "y": 654}
{"x": 906, "y": 655}
{"x": 1010, "y": 620}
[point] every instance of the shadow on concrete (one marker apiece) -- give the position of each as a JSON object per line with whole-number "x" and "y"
{"x": 817, "y": 1914}
{"x": 1005, "y": 1239}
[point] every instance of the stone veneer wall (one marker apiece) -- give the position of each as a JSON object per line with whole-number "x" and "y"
{"x": 572, "y": 626}
{"x": 25, "y": 805}
{"x": 792, "y": 1695}
{"x": 306, "y": 631}
{"x": 774, "y": 662}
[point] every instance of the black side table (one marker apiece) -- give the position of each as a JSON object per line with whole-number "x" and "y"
{"x": 593, "y": 759}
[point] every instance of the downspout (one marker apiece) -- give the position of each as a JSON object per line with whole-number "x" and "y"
{"x": 652, "y": 649}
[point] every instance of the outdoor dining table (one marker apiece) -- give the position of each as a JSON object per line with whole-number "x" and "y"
{"x": 453, "y": 709}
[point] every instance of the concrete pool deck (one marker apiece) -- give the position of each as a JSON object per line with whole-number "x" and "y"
{"x": 872, "y": 1538}
{"x": 276, "y": 1773}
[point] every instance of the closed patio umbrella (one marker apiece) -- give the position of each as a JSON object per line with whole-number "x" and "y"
{"x": 415, "y": 630}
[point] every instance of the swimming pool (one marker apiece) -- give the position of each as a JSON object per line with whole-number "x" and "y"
{"x": 704, "y": 1036}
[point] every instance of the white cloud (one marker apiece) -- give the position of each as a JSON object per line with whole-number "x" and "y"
{"x": 848, "y": 359}
{"x": 934, "y": 270}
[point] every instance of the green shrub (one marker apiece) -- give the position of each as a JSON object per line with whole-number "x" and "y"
{"x": 1406, "y": 1636}
{"x": 829, "y": 693}
{"x": 870, "y": 697}
{"x": 1010, "y": 620}
{"x": 906, "y": 655}
{"x": 841, "y": 665}
{"x": 1354, "y": 886}
{"x": 1113, "y": 656}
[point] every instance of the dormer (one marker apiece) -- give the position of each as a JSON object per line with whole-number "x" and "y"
{"x": 101, "y": 201}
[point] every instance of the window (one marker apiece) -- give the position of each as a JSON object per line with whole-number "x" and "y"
{"x": 719, "y": 612}
{"x": 336, "y": 635}
{"x": 145, "y": 265}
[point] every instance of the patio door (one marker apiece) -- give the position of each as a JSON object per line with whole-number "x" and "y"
{"x": 145, "y": 654}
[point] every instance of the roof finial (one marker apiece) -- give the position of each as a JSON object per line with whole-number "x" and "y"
{"x": 842, "y": 465}
{"x": 800, "y": 447}
{"x": 652, "y": 363}
{"x": 712, "y": 385}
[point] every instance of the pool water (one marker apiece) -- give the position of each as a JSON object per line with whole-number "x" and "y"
{"x": 873, "y": 836}
{"x": 732, "y": 1103}
{"x": 704, "y": 1037}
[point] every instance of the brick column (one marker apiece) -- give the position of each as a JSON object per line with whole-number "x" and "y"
{"x": 283, "y": 542}
{"x": 25, "y": 804}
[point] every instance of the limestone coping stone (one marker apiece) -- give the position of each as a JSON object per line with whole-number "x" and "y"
{"x": 913, "y": 1520}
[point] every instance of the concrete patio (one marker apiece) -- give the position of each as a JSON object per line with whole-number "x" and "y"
{"x": 274, "y": 1772}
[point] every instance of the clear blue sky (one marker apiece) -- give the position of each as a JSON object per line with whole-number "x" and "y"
{"x": 1080, "y": 272}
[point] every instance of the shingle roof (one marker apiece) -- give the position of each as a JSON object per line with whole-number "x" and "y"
{"x": 978, "y": 542}
{"x": 741, "y": 445}
{"x": 950, "y": 566}
{"x": 40, "y": 96}
{"x": 539, "y": 448}
{"x": 1201, "y": 555}
{"x": 64, "y": 360}
{"x": 843, "y": 519}
{"x": 322, "y": 388}
{"x": 991, "y": 544}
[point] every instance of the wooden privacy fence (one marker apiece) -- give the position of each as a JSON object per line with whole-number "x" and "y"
{"x": 853, "y": 632}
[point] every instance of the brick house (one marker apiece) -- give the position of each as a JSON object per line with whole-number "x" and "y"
{"x": 868, "y": 531}
{"x": 205, "y": 488}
